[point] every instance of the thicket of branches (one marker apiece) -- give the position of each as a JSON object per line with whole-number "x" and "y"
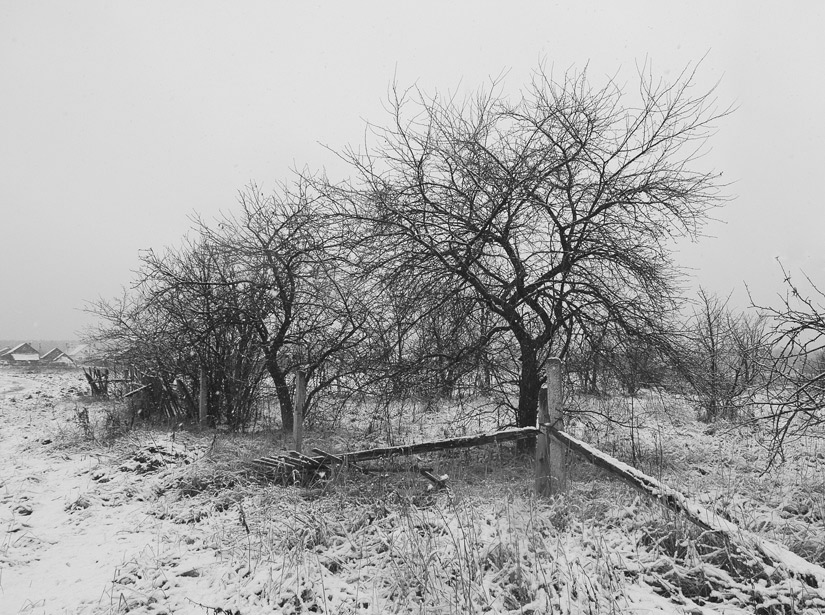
{"x": 794, "y": 393}
{"x": 474, "y": 239}
{"x": 725, "y": 356}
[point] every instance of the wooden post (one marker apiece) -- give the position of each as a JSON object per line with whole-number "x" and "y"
{"x": 298, "y": 409}
{"x": 551, "y": 473}
{"x": 543, "y": 448}
{"x": 203, "y": 400}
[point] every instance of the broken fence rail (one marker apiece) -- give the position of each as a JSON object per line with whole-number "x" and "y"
{"x": 323, "y": 460}
{"x": 771, "y": 553}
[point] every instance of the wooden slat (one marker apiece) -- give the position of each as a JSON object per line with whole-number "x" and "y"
{"x": 328, "y": 456}
{"x": 309, "y": 461}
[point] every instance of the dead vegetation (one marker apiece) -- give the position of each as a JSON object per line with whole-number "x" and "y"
{"x": 220, "y": 538}
{"x": 484, "y": 545}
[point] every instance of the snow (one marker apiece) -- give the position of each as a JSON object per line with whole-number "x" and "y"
{"x": 133, "y": 524}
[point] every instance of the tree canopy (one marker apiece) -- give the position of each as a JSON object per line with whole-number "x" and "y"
{"x": 554, "y": 211}
{"x": 474, "y": 238}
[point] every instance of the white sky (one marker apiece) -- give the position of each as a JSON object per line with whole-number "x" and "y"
{"x": 120, "y": 119}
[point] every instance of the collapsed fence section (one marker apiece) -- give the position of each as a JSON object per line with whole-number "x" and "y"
{"x": 552, "y": 454}
{"x": 555, "y": 445}
{"x": 290, "y": 462}
{"x": 772, "y": 555}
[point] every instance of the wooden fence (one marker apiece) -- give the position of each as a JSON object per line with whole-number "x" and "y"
{"x": 553, "y": 448}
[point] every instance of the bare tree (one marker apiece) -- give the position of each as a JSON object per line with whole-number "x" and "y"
{"x": 308, "y": 312}
{"x": 723, "y": 359}
{"x": 553, "y": 212}
{"x": 795, "y": 392}
{"x": 265, "y": 291}
{"x": 179, "y": 323}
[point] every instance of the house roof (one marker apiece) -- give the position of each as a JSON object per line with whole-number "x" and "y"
{"x": 24, "y": 348}
{"x": 53, "y": 355}
{"x": 5, "y": 350}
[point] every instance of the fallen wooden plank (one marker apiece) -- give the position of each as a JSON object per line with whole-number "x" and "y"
{"x": 327, "y": 457}
{"x": 299, "y": 461}
{"x": 774, "y": 553}
{"x": 440, "y": 445}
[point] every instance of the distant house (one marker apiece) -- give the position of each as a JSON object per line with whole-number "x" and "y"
{"x": 57, "y": 356}
{"x": 22, "y": 353}
{"x": 4, "y": 354}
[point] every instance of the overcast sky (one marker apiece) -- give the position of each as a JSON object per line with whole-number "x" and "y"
{"x": 118, "y": 120}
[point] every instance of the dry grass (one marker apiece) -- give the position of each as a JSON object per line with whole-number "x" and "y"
{"x": 382, "y": 542}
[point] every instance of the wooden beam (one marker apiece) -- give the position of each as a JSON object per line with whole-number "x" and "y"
{"x": 555, "y": 402}
{"x": 440, "y": 445}
{"x": 327, "y": 457}
{"x": 543, "y": 449}
{"x": 411, "y": 449}
{"x": 811, "y": 574}
{"x": 551, "y": 469}
{"x": 298, "y": 409}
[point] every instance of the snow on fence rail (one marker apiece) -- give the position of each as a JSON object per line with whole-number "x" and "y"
{"x": 771, "y": 554}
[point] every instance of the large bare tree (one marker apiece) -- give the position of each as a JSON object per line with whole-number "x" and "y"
{"x": 553, "y": 211}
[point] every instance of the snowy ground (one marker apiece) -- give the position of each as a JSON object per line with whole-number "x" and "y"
{"x": 71, "y": 519}
{"x": 97, "y": 519}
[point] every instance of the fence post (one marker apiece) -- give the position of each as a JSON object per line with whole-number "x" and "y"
{"x": 551, "y": 473}
{"x": 203, "y": 398}
{"x": 298, "y": 409}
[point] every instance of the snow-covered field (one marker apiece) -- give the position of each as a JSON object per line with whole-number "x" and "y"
{"x": 95, "y": 518}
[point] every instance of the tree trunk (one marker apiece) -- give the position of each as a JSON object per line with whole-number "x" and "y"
{"x": 203, "y": 398}
{"x": 593, "y": 387}
{"x": 529, "y": 387}
{"x": 528, "y": 399}
{"x": 282, "y": 391}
